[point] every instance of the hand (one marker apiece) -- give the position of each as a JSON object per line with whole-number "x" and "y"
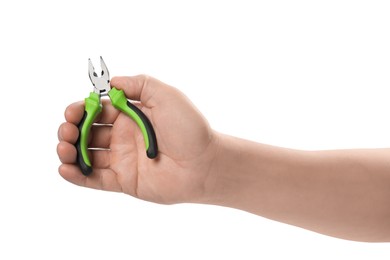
{"x": 186, "y": 143}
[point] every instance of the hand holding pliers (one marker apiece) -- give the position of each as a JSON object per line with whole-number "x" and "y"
{"x": 93, "y": 107}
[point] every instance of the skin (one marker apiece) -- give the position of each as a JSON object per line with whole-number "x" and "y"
{"x": 341, "y": 193}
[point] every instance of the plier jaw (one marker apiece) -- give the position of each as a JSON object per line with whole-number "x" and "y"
{"x": 101, "y": 85}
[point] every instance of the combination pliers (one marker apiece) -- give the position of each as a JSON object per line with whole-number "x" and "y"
{"x": 93, "y": 107}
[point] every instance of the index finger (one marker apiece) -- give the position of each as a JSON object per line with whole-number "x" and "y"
{"x": 75, "y": 112}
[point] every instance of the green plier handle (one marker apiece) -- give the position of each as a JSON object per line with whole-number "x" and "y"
{"x": 93, "y": 108}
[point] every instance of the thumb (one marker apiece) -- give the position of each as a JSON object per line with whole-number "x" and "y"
{"x": 141, "y": 87}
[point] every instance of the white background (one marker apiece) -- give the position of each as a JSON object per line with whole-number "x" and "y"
{"x": 298, "y": 74}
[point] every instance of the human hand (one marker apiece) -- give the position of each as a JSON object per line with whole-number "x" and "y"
{"x": 186, "y": 145}
{"x": 323, "y": 191}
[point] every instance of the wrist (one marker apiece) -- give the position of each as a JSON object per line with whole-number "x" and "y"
{"x": 223, "y": 178}
{"x": 251, "y": 176}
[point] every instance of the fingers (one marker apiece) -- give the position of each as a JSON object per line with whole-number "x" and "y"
{"x": 67, "y": 154}
{"x": 143, "y": 88}
{"x": 100, "y": 135}
{"x": 75, "y": 112}
{"x": 102, "y": 179}
{"x": 68, "y": 132}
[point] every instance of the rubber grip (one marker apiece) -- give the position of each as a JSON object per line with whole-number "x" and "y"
{"x": 120, "y": 102}
{"x": 92, "y": 109}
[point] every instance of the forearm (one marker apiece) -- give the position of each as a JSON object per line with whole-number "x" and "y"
{"x": 342, "y": 193}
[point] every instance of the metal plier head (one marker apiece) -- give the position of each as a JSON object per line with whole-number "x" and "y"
{"x": 101, "y": 85}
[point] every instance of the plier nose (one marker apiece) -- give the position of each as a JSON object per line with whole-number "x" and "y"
{"x": 93, "y": 107}
{"x": 101, "y": 84}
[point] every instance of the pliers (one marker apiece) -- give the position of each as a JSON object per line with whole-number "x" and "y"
{"x": 93, "y": 107}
